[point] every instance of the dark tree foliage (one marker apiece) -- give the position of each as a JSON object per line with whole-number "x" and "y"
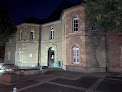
{"x": 7, "y": 27}
{"x": 107, "y": 14}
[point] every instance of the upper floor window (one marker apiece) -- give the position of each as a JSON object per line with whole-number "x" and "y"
{"x": 52, "y": 33}
{"x": 75, "y": 55}
{"x": 31, "y": 34}
{"x": 93, "y": 27}
{"x": 20, "y": 37}
{"x": 75, "y": 24}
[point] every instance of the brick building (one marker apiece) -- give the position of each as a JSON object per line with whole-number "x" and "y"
{"x": 72, "y": 40}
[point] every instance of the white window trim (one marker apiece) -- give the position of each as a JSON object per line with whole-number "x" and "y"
{"x": 33, "y": 34}
{"x": 52, "y": 33}
{"x": 9, "y": 54}
{"x": 20, "y": 55}
{"x": 20, "y": 38}
{"x": 75, "y": 54}
{"x": 75, "y": 18}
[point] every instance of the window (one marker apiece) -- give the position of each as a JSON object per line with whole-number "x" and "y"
{"x": 52, "y": 33}
{"x": 9, "y": 54}
{"x": 75, "y": 55}
{"x": 20, "y": 54}
{"x": 32, "y": 35}
{"x": 20, "y": 38}
{"x": 93, "y": 27}
{"x": 75, "y": 24}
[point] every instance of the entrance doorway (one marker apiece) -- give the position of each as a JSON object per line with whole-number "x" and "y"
{"x": 51, "y": 56}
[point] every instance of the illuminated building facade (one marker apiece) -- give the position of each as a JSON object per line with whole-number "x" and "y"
{"x": 71, "y": 41}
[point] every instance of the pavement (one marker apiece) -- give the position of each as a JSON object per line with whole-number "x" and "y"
{"x": 64, "y": 81}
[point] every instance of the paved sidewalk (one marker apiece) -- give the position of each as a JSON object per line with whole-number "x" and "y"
{"x": 61, "y": 81}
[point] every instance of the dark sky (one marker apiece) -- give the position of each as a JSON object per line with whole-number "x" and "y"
{"x": 23, "y": 9}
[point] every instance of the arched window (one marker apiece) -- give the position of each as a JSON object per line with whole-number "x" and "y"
{"x": 52, "y": 33}
{"x": 75, "y": 55}
{"x": 75, "y": 24}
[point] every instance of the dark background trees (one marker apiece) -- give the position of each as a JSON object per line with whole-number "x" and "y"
{"x": 107, "y": 14}
{"x": 7, "y": 29}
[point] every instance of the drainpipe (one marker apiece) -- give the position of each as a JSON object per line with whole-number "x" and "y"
{"x": 106, "y": 51}
{"x": 39, "y": 50}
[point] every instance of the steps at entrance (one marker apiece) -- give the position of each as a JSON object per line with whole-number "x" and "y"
{"x": 54, "y": 69}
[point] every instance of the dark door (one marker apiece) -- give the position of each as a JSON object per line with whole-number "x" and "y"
{"x": 51, "y": 56}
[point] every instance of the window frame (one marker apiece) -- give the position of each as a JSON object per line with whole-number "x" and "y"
{"x": 75, "y": 55}
{"x": 20, "y": 35}
{"x": 75, "y": 24}
{"x": 20, "y": 55}
{"x": 9, "y": 55}
{"x": 52, "y": 33}
{"x": 32, "y": 35}
{"x": 93, "y": 27}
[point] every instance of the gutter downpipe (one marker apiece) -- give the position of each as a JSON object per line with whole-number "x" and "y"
{"x": 39, "y": 55}
{"x": 106, "y": 51}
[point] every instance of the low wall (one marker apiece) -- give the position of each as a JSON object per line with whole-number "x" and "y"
{"x": 27, "y": 71}
{"x": 85, "y": 69}
{"x": 115, "y": 69}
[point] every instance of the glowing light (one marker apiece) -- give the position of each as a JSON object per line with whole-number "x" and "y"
{"x": 52, "y": 48}
{"x": 30, "y": 55}
{"x": 2, "y": 71}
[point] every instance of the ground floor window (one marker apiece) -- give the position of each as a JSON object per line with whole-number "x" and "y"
{"x": 75, "y": 55}
{"x": 20, "y": 55}
{"x": 9, "y": 54}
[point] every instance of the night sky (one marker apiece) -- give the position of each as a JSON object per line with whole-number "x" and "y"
{"x": 23, "y": 9}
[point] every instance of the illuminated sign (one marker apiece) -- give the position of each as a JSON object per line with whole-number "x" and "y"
{"x": 30, "y": 55}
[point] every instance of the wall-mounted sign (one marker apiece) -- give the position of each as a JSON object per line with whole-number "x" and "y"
{"x": 30, "y": 55}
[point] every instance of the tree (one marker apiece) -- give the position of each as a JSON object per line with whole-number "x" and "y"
{"x": 107, "y": 14}
{"x": 7, "y": 27}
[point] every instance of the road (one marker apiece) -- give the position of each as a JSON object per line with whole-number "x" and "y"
{"x": 66, "y": 82}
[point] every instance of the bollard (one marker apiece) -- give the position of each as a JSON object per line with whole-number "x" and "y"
{"x": 14, "y": 89}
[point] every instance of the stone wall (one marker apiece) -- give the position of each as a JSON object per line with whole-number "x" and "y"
{"x": 9, "y": 57}
{"x": 95, "y": 48}
{"x": 115, "y": 52}
{"x": 74, "y": 38}
{"x": 91, "y": 44}
{"x": 56, "y": 43}
{"x": 63, "y": 45}
{"x": 27, "y": 46}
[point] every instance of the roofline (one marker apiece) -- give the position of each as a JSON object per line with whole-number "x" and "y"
{"x": 52, "y": 22}
{"x": 28, "y": 24}
{"x": 69, "y": 9}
